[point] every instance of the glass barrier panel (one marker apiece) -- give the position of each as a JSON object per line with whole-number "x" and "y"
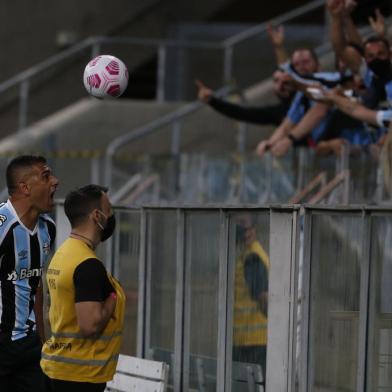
{"x": 380, "y": 340}
{"x": 249, "y": 258}
{"x": 201, "y": 311}
{"x": 334, "y": 302}
{"x": 126, "y": 269}
{"x": 161, "y": 286}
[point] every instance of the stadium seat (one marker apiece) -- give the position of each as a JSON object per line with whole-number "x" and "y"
{"x": 136, "y": 374}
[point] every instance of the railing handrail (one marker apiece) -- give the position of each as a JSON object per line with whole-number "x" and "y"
{"x": 53, "y": 60}
{"x": 257, "y": 29}
{"x": 90, "y": 42}
{"x": 329, "y": 187}
{"x": 159, "y": 42}
{"x": 97, "y": 40}
{"x": 151, "y": 127}
{"x": 320, "y": 179}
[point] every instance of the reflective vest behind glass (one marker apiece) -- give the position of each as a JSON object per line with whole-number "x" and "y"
{"x": 250, "y": 324}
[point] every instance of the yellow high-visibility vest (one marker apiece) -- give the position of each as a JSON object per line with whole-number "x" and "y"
{"x": 68, "y": 355}
{"x": 250, "y": 324}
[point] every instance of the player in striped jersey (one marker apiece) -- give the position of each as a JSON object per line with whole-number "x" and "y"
{"x": 26, "y": 238}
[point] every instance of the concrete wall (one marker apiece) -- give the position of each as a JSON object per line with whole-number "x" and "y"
{"x": 29, "y": 29}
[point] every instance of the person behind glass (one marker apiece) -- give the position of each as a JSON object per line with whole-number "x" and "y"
{"x": 250, "y": 296}
{"x": 86, "y": 302}
{"x": 26, "y": 237}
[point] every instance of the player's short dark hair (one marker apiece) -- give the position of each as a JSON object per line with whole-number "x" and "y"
{"x": 17, "y": 163}
{"x": 377, "y": 38}
{"x": 80, "y": 202}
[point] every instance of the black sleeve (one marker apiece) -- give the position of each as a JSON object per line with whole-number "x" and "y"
{"x": 91, "y": 281}
{"x": 256, "y": 275}
{"x": 52, "y": 232}
{"x": 264, "y": 115}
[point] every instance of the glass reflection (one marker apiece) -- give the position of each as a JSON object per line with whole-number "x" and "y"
{"x": 161, "y": 256}
{"x": 202, "y": 253}
{"x": 335, "y": 297}
{"x": 380, "y": 359}
{"x": 250, "y": 315}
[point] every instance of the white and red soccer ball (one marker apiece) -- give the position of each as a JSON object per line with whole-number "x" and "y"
{"x": 105, "y": 76}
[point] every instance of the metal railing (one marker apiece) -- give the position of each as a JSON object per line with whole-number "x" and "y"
{"x": 329, "y": 310}
{"x": 23, "y": 79}
{"x": 155, "y": 125}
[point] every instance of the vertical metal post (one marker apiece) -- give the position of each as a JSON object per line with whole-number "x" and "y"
{"x": 305, "y": 302}
{"x": 63, "y": 227}
{"x": 95, "y": 49}
{"x": 364, "y": 301}
{"x": 160, "y": 92}
{"x": 175, "y": 138}
{"x": 230, "y": 300}
{"x": 241, "y": 138}
{"x": 116, "y": 269}
{"x": 294, "y": 289}
{"x": 148, "y": 287}
{"x": 302, "y": 155}
{"x": 281, "y": 299}
{"x": 108, "y": 170}
{"x": 175, "y": 152}
{"x": 380, "y": 185}
{"x": 227, "y": 64}
{"x": 222, "y": 301}
{"x": 241, "y": 180}
{"x": 346, "y": 182}
{"x": 23, "y": 103}
{"x": 186, "y": 331}
{"x": 94, "y": 177}
{"x": 179, "y": 305}
{"x": 141, "y": 311}
{"x": 373, "y": 334}
{"x": 268, "y": 158}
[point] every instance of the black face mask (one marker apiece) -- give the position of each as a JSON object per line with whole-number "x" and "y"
{"x": 381, "y": 68}
{"x": 108, "y": 230}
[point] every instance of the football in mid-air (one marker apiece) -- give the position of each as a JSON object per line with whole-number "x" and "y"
{"x": 105, "y": 76}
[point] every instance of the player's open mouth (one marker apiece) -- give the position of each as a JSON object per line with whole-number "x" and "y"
{"x": 52, "y": 195}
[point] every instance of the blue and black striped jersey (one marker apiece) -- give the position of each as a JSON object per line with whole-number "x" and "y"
{"x": 23, "y": 254}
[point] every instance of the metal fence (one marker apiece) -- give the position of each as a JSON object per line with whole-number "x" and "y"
{"x": 329, "y": 297}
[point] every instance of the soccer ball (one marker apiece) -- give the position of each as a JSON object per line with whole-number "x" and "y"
{"x": 105, "y": 76}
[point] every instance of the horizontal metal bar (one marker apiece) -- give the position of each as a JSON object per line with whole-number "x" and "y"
{"x": 34, "y": 70}
{"x": 158, "y": 123}
{"x": 221, "y": 207}
{"x": 276, "y": 21}
{"x": 159, "y": 42}
{"x": 51, "y": 61}
{"x": 328, "y": 188}
{"x": 208, "y": 206}
{"x": 320, "y": 179}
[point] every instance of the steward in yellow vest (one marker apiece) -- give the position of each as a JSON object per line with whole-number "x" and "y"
{"x": 250, "y": 296}
{"x": 86, "y": 303}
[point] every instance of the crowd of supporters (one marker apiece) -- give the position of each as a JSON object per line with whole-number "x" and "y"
{"x": 351, "y": 106}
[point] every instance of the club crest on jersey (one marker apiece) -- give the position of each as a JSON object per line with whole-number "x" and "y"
{"x": 24, "y": 273}
{"x": 46, "y": 248}
{"x": 3, "y": 218}
{"x": 23, "y": 254}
